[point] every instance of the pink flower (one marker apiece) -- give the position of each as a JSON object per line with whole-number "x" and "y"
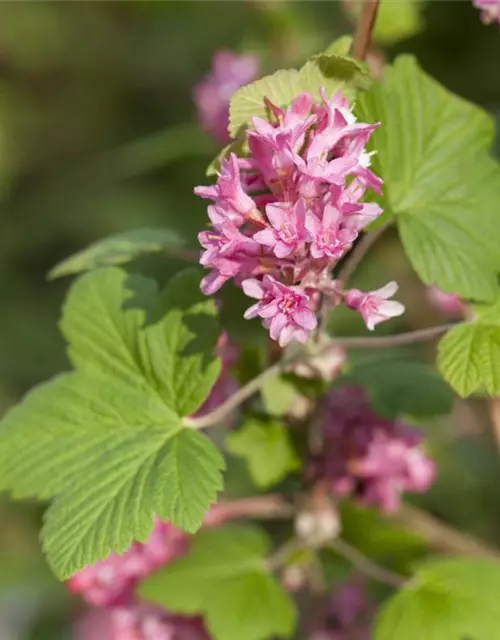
{"x": 111, "y": 581}
{"x": 285, "y": 309}
{"x": 367, "y": 456}
{"x": 230, "y": 71}
{"x": 328, "y": 240}
{"x": 375, "y": 306}
{"x": 228, "y": 193}
{"x": 448, "y": 303}
{"x": 288, "y": 232}
{"x": 490, "y": 10}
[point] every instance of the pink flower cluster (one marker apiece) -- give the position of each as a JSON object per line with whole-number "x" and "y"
{"x": 285, "y": 215}
{"x": 350, "y": 613}
{"x": 366, "y": 456}
{"x": 230, "y": 71}
{"x": 490, "y": 10}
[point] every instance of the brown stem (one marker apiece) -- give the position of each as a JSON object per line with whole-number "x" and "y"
{"x": 436, "y": 534}
{"x": 365, "y": 565}
{"x": 364, "y": 29}
{"x": 233, "y": 402}
{"x": 353, "y": 260}
{"x": 440, "y": 536}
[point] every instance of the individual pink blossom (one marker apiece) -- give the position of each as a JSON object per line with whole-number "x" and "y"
{"x": 490, "y": 10}
{"x": 228, "y": 192}
{"x": 230, "y": 71}
{"x": 288, "y": 232}
{"x": 375, "y": 306}
{"x": 285, "y": 310}
{"x": 367, "y": 456}
{"x": 328, "y": 239}
{"x": 448, "y": 303}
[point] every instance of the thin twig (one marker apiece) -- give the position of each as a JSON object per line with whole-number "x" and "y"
{"x": 366, "y": 565}
{"x": 267, "y": 507}
{"x": 440, "y": 536}
{"x": 364, "y": 29}
{"x": 410, "y": 337}
{"x": 233, "y": 402}
{"x": 353, "y": 260}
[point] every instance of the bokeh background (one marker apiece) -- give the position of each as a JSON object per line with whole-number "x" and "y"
{"x": 98, "y": 135}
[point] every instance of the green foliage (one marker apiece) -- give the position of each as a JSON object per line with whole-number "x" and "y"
{"x": 277, "y": 395}
{"x": 267, "y": 448}
{"x": 398, "y": 20}
{"x": 445, "y": 600}
{"x": 330, "y": 70}
{"x": 445, "y": 206}
{"x": 107, "y": 441}
{"x": 117, "y": 249}
{"x": 403, "y": 387}
{"x": 469, "y": 355}
{"x": 227, "y": 579}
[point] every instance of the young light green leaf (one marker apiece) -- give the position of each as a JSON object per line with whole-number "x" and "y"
{"x": 117, "y": 249}
{"x": 328, "y": 70}
{"x": 226, "y": 579}
{"x": 445, "y": 600}
{"x": 277, "y": 395}
{"x": 444, "y": 206}
{"x": 267, "y": 448}
{"x": 107, "y": 441}
{"x": 469, "y": 358}
{"x": 397, "y": 387}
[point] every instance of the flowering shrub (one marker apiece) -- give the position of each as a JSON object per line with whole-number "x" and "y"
{"x": 180, "y": 418}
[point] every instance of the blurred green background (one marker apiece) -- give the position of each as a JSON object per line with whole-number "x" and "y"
{"x": 98, "y": 135}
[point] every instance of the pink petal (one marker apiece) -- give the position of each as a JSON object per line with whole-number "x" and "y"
{"x": 277, "y": 214}
{"x": 252, "y": 311}
{"x": 305, "y": 318}
{"x": 387, "y": 291}
{"x": 282, "y": 250}
{"x": 253, "y": 288}
{"x": 266, "y": 236}
{"x": 277, "y": 324}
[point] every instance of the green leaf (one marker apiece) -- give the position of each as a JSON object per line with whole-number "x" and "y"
{"x": 398, "y": 20}
{"x": 445, "y": 600}
{"x": 117, "y": 249}
{"x": 445, "y": 206}
{"x": 173, "y": 354}
{"x": 226, "y": 579}
{"x": 399, "y": 387}
{"x": 277, "y": 395}
{"x": 107, "y": 441}
{"x": 469, "y": 357}
{"x": 329, "y": 70}
{"x": 267, "y": 448}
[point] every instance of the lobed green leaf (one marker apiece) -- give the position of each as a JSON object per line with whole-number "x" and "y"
{"x": 226, "y": 579}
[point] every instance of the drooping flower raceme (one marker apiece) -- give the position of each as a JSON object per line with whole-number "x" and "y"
{"x": 283, "y": 216}
{"x": 490, "y": 10}
{"x": 366, "y": 456}
{"x": 230, "y": 71}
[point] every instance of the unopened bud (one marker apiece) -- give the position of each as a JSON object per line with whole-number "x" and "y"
{"x": 316, "y": 528}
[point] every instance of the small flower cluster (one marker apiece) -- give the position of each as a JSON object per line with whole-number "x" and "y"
{"x": 230, "y": 71}
{"x": 490, "y": 10}
{"x": 137, "y": 622}
{"x": 283, "y": 217}
{"x": 350, "y": 613}
{"x": 366, "y": 456}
